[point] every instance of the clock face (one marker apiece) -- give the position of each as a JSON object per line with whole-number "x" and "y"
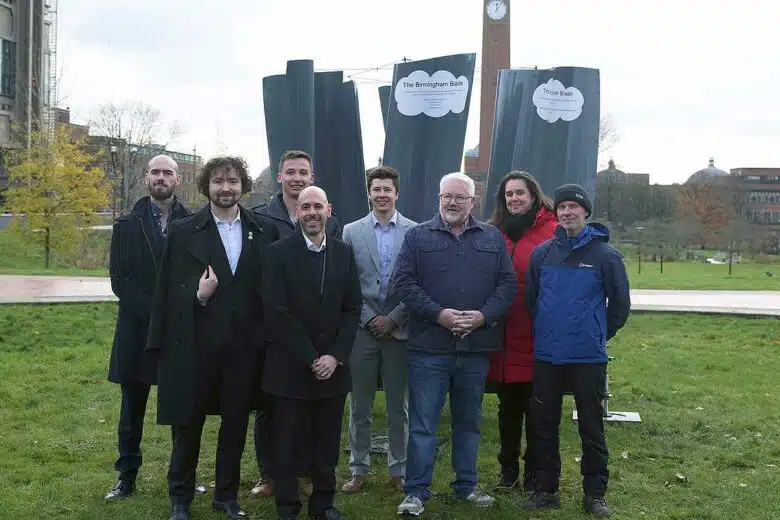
{"x": 496, "y": 9}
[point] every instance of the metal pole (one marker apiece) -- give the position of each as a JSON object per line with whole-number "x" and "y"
{"x": 731, "y": 254}
{"x": 123, "y": 173}
{"x": 31, "y": 10}
{"x": 113, "y": 195}
{"x": 639, "y": 231}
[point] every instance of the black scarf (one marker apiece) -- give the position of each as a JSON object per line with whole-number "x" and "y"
{"x": 515, "y": 226}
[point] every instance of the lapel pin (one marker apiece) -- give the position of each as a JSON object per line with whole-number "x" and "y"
{"x": 249, "y": 236}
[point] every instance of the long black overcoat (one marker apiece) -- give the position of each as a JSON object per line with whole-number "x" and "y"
{"x": 133, "y": 269}
{"x": 191, "y": 341}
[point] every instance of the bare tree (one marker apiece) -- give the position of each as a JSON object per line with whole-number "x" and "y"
{"x": 133, "y": 132}
{"x": 608, "y": 133}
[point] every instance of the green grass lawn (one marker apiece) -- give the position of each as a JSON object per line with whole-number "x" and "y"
{"x": 706, "y": 387}
{"x": 699, "y": 275}
{"x": 25, "y": 259}
{"x": 18, "y": 256}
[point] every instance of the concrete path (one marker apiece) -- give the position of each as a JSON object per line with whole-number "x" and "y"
{"x": 58, "y": 289}
{"x": 752, "y": 303}
{"x": 54, "y": 289}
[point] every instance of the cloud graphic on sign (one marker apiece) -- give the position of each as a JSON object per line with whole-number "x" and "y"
{"x": 434, "y": 95}
{"x": 553, "y": 101}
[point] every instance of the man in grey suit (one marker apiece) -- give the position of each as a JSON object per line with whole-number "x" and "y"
{"x": 381, "y": 339}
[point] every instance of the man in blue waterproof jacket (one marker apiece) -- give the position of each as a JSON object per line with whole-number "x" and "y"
{"x": 578, "y": 296}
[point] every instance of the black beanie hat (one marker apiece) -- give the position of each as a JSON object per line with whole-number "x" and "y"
{"x": 575, "y": 193}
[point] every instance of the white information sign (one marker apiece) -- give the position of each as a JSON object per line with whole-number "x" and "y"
{"x": 434, "y": 95}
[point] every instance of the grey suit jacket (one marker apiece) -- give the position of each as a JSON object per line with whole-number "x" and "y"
{"x": 360, "y": 235}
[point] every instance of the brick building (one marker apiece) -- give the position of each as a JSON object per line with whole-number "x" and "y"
{"x": 123, "y": 161}
{"x": 759, "y": 194}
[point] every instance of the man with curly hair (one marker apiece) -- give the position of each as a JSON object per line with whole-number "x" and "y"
{"x": 207, "y": 331}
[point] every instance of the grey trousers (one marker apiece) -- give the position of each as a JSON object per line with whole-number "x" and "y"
{"x": 370, "y": 355}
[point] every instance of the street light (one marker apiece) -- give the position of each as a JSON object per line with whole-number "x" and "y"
{"x": 640, "y": 229}
{"x": 130, "y": 166}
{"x": 112, "y": 149}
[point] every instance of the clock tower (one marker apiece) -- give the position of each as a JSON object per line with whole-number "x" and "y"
{"x": 495, "y": 56}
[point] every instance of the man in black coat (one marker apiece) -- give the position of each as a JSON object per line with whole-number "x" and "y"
{"x": 295, "y": 175}
{"x": 207, "y": 331}
{"x": 312, "y": 301}
{"x": 136, "y": 247}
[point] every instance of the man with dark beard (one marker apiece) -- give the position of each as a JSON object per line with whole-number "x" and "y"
{"x": 136, "y": 246}
{"x": 207, "y": 331}
{"x": 312, "y": 302}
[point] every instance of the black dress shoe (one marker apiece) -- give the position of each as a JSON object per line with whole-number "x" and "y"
{"x": 330, "y": 514}
{"x": 180, "y": 512}
{"x": 122, "y": 489}
{"x": 230, "y": 508}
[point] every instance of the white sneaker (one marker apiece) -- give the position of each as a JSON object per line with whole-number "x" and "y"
{"x": 411, "y": 506}
{"x": 480, "y": 498}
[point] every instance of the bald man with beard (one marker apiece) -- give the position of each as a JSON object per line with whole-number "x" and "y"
{"x": 136, "y": 247}
{"x": 312, "y": 302}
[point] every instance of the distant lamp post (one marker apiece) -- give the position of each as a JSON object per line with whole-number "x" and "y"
{"x": 112, "y": 149}
{"x": 129, "y": 166}
{"x": 640, "y": 229}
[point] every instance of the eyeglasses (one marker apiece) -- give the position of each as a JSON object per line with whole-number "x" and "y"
{"x": 459, "y": 199}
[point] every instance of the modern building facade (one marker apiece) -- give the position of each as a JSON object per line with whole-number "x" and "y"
{"x": 28, "y": 82}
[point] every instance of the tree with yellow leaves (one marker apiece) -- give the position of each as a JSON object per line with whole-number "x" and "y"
{"x": 54, "y": 190}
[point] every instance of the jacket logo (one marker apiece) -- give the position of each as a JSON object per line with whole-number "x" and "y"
{"x": 584, "y": 265}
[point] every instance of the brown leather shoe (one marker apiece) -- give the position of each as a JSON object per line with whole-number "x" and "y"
{"x": 264, "y": 488}
{"x": 397, "y": 483}
{"x": 354, "y": 484}
{"x": 305, "y": 486}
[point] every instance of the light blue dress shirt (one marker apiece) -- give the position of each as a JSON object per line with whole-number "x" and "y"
{"x": 385, "y": 242}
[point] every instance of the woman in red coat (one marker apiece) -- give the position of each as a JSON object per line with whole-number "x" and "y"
{"x": 524, "y": 215}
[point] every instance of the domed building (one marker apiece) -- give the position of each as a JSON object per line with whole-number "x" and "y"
{"x": 261, "y": 180}
{"x": 612, "y": 175}
{"x": 263, "y": 188}
{"x": 709, "y": 175}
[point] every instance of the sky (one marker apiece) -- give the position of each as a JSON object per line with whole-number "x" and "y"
{"x": 683, "y": 81}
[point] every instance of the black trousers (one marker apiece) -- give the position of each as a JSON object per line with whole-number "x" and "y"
{"x": 184, "y": 459}
{"x": 263, "y": 431}
{"x": 514, "y": 401}
{"x": 587, "y": 382}
{"x": 262, "y": 437}
{"x": 227, "y": 388}
{"x": 131, "y": 429}
{"x": 318, "y": 423}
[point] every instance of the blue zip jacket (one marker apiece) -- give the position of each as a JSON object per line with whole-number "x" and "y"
{"x": 436, "y": 270}
{"x": 578, "y": 295}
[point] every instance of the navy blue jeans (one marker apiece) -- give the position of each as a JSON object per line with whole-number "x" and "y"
{"x": 431, "y": 376}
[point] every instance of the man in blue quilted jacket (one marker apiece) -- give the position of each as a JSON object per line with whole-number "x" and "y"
{"x": 577, "y": 293}
{"x": 456, "y": 279}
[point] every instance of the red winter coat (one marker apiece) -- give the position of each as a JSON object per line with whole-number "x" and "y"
{"x": 514, "y": 362}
